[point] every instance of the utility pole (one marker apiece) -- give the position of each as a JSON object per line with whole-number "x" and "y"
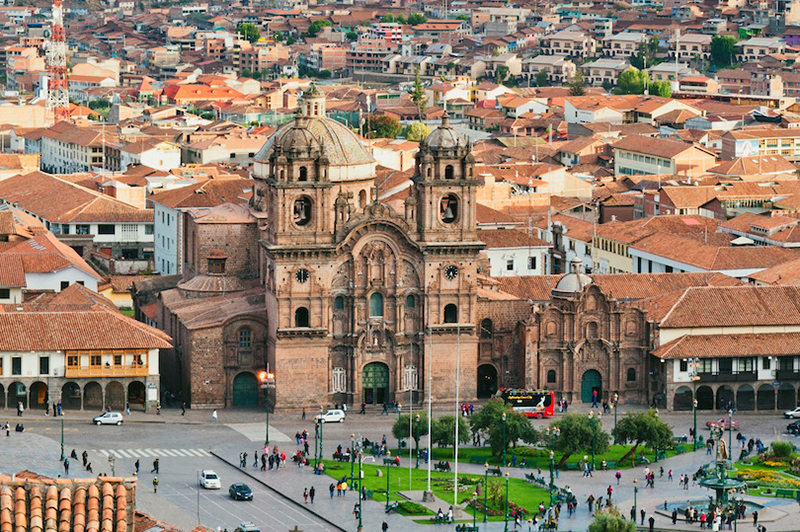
{"x": 56, "y": 55}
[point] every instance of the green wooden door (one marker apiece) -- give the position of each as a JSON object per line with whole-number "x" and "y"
{"x": 245, "y": 390}
{"x": 375, "y": 382}
{"x": 590, "y": 381}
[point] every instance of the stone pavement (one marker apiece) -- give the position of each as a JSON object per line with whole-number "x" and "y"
{"x": 26, "y": 450}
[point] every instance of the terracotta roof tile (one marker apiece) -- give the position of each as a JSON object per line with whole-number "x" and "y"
{"x": 510, "y": 238}
{"x": 730, "y": 345}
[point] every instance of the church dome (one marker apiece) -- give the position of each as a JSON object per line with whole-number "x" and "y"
{"x": 445, "y": 137}
{"x": 574, "y": 282}
{"x": 312, "y": 134}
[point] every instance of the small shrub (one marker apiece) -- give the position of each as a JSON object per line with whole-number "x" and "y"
{"x": 412, "y": 508}
{"x": 781, "y": 449}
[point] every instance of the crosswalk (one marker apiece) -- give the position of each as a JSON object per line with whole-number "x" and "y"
{"x": 154, "y": 453}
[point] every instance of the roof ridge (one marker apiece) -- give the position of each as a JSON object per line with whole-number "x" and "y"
{"x": 678, "y": 302}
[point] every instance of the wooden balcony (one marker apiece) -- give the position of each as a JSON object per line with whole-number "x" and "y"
{"x": 74, "y": 372}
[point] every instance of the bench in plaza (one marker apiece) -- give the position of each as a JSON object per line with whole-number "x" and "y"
{"x": 611, "y": 465}
{"x": 478, "y": 459}
{"x": 442, "y": 466}
{"x": 572, "y": 466}
{"x": 495, "y": 471}
{"x": 465, "y": 528}
{"x": 784, "y": 493}
{"x": 392, "y": 507}
{"x": 390, "y": 461}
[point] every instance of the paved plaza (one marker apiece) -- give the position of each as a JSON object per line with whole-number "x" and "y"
{"x": 186, "y": 444}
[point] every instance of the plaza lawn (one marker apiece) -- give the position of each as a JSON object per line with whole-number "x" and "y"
{"x": 519, "y": 492}
{"x": 541, "y": 457}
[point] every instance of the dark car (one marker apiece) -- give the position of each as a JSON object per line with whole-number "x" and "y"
{"x": 794, "y": 427}
{"x": 241, "y": 492}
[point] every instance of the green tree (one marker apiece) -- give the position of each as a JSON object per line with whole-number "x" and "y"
{"x": 324, "y": 74}
{"x": 383, "y": 126}
{"x": 646, "y": 55}
{"x": 723, "y": 48}
{"x": 415, "y": 19}
{"x": 609, "y": 520}
{"x": 643, "y": 427}
{"x": 249, "y": 32}
{"x": 576, "y": 434}
{"x": 443, "y": 431}
{"x": 501, "y": 74}
{"x": 290, "y": 40}
{"x": 100, "y": 103}
{"x": 406, "y": 423}
{"x": 416, "y": 131}
{"x": 608, "y": 85}
{"x": 489, "y": 421}
{"x": 577, "y": 85}
{"x": 351, "y": 36}
{"x": 632, "y": 81}
{"x": 388, "y": 19}
{"x": 417, "y": 93}
{"x": 317, "y": 26}
{"x": 463, "y": 17}
{"x": 542, "y": 78}
{"x": 247, "y": 73}
{"x": 660, "y": 88}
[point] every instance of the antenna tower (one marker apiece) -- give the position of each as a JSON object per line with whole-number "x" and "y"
{"x": 58, "y": 89}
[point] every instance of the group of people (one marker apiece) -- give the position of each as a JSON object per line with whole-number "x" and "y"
{"x": 273, "y": 459}
{"x": 467, "y": 410}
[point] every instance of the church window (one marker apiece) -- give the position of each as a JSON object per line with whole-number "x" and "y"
{"x": 338, "y": 303}
{"x": 450, "y": 313}
{"x": 410, "y": 378}
{"x": 631, "y": 377}
{"x": 551, "y": 329}
{"x": 362, "y": 199}
{"x": 303, "y": 174}
{"x": 411, "y": 302}
{"x": 486, "y": 328}
{"x": 551, "y": 376}
{"x": 376, "y": 305}
{"x": 245, "y": 338}
{"x": 302, "y": 211}
{"x": 283, "y": 174}
{"x": 339, "y": 380}
{"x": 448, "y": 172}
{"x": 301, "y": 317}
{"x": 216, "y": 266}
{"x": 429, "y": 172}
{"x": 448, "y": 208}
{"x": 591, "y": 329}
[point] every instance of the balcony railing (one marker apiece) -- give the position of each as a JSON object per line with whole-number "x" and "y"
{"x": 722, "y": 377}
{"x": 72, "y": 372}
{"x": 784, "y": 374}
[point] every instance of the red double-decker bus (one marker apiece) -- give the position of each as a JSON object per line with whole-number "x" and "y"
{"x": 532, "y": 403}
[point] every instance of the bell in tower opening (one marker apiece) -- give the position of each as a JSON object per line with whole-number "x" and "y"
{"x": 449, "y": 208}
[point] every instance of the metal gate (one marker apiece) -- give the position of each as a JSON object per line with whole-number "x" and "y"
{"x": 245, "y": 390}
{"x": 591, "y": 381}
{"x": 375, "y": 383}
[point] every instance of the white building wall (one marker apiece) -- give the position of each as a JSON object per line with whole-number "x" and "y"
{"x": 166, "y": 239}
{"x": 500, "y": 259}
{"x": 52, "y": 281}
{"x": 30, "y": 364}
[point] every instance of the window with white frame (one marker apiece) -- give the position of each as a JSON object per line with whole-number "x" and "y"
{"x": 339, "y": 383}
{"x": 410, "y": 378}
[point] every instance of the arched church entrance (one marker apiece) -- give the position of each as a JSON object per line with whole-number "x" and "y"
{"x": 487, "y": 381}
{"x": 591, "y": 381}
{"x": 375, "y": 383}
{"x": 245, "y": 389}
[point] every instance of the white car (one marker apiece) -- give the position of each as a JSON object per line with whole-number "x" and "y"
{"x": 210, "y": 480}
{"x": 109, "y": 418}
{"x": 332, "y": 416}
{"x": 792, "y": 414}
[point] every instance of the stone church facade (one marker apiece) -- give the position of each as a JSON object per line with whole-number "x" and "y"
{"x": 347, "y": 300}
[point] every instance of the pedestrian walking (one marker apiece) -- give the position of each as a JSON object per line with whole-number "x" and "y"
{"x": 89, "y": 467}
{"x": 305, "y": 495}
{"x": 619, "y": 476}
{"x": 155, "y": 484}
{"x": 633, "y": 514}
{"x": 20, "y": 408}
{"x": 642, "y": 513}
{"x": 311, "y": 493}
{"x": 155, "y": 467}
{"x": 674, "y": 516}
{"x": 66, "y": 466}
{"x": 127, "y": 408}
{"x": 755, "y": 518}
{"x": 609, "y": 491}
{"x": 590, "y": 502}
{"x": 183, "y": 408}
{"x": 303, "y": 417}
{"x": 652, "y": 522}
{"x": 594, "y": 398}
{"x": 331, "y": 488}
{"x": 214, "y": 416}
{"x": 85, "y": 457}
{"x": 136, "y": 466}
{"x": 384, "y": 526}
{"x": 669, "y": 475}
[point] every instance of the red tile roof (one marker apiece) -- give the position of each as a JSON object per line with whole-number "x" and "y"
{"x": 730, "y": 345}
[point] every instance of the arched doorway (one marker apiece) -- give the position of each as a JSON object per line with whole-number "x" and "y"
{"x": 591, "y": 381}
{"x": 705, "y": 398}
{"x": 245, "y": 390}
{"x": 487, "y": 381}
{"x": 115, "y": 395}
{"x": 17, "y": 393}
{"x": 93, "y": 396}
{"x": 375, "y": 383}
{"x": 2, "y": 396}
{"x": 766, "y": 397}
{"x": 38, "y": 395}
{"x": 725, "y": 397}
{"x": 136, "y": 394}
{"x": 70, "y": 396}
{"x": 683, "y": 399}
{"x": 745, "y": 398}
{"x": 786, "y": 396}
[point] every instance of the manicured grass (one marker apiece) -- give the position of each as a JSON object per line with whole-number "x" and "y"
{"x": 519, "y": 492}
{"x": 540, "y": 456}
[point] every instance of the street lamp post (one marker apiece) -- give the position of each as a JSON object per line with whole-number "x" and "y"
{"x": 656, "y": 412}
{"x": 486, "y": 492}
{"x": 504, "y": 439}
{"x": 321, "y": 423}
{"x": 730, "y": 434}
{"x": 694, "y": 408}
{"x": 316, "y": 441}
{"x": 552, "y": 464}
{"x": 506, "y": 516}
{"x": 267, "y": 381}
{"x": 387, "y": 485}
{"x": 614, "y": 406}
{"x": 352, "y": 456}
{"x": 417, "y": 438}
{"x": 635, "y": 492}
{"x": 694, "y": 374}
{"x": 62, "y": 439}
{"x": 360, "y": 491}
{"x": 594, "y": 432}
